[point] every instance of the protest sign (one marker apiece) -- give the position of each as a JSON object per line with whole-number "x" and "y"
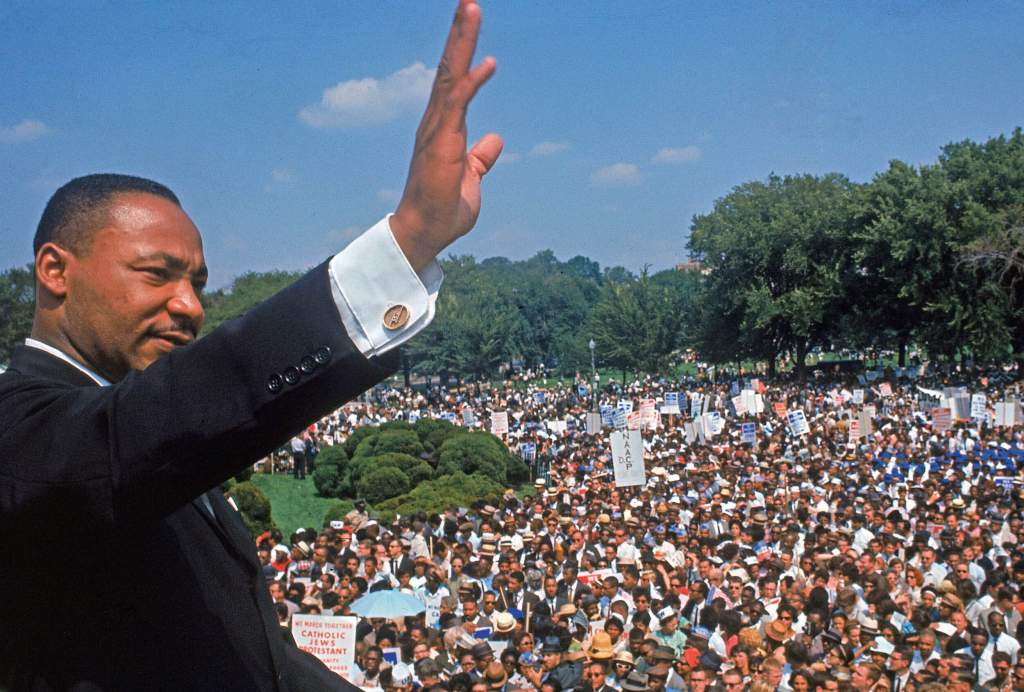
{"x": 331, "y": 639}
{"x": 858, "y": 396}
{"x": 691, "y": 433}
{"x": 740, "y": 405}
{"x": 695, "y": 401}
{"x": 855, "y": 433}
{"x": 749, "y": 433}
{"x": 634, "y": 421}
{"x": 619, "y": 419}
{"x": 648, "y": 414}
{"x": 499, "y": 423}
{"x": 961, "y": 406}
{"x": 837, "y": 399}
{"x": 539, "y": 397}
{"x": 413, "y": 416}
{"x": 798, "y": 422}
{"x": 865, "y": 422}
{"x": 671, "y": 404}
{"x": 759, "y": 403}
{"x": 885, "y": 389}
{"x": 979, "y": 407}
{"x": 749, "y": 401}
{"x": 528, "y": 451}
{"x": 626, "y": 406}
{"x": 1006, "y": 414}
{"x": 942, "y": 419}
{"x": 780, "y": 408}
{"x": 593, "y": 423}
{"x": 607, "y": 415}
{"x": 392, "y": 654}
{"x": 628, "y": 458}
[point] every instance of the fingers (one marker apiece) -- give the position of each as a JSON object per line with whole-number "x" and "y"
{"x": 461, "y": 43}
{"x": 484, "y": 153}
{"x": 465, "y": 89}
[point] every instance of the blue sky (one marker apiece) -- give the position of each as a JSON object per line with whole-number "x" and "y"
{"x": 287, "y": 129}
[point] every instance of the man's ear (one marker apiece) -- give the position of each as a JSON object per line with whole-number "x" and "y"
{"x": 51, "y": 267}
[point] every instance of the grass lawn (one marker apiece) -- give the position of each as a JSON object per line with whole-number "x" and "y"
{"x": 293, "y": 503}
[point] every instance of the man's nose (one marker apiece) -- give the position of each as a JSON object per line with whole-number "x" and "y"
{"x": 185, "y": 303}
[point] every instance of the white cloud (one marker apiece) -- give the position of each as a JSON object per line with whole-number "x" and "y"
{"x": 389, "y": 195}
{"x": 25, "y": 131}
{"x": 687, "y": 154}
{"x": 548, "y": 149}
{"x": 509, "y": 157}
{"x": 617, "y": 174}
{"x": 369, "y": 101}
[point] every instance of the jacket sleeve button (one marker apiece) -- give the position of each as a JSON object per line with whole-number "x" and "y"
{"x": 275, "y": 383}
{"x": 291, "y": 374}
{"x": 322, "y": 355}
{"x": 307, "y": 364}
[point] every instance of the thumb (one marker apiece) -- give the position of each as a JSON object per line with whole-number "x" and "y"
{"x": 484, "y": 153}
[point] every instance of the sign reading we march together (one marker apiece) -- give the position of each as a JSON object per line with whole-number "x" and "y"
{"x": 329, "y": 638}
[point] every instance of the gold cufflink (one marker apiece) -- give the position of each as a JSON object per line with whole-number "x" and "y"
{"x": 396, "y": 317}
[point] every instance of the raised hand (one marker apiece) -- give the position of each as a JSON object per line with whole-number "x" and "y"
{"x": 441, "y": 200}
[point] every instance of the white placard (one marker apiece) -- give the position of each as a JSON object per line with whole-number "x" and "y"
{"x": 499, "y": 423}
{"x": 979, "y": 407}
{"x": 749, "y": 400}
{"x": 329, "y": 638}
{"x": 798, "y": 422}
{"x": 628, "y": 458}
{"x": 858, "y": 396}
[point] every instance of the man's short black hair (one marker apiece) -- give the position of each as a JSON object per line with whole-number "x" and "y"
{"x": 79, "y": 207}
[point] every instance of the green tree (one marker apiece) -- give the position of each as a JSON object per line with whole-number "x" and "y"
{"x": 17, "y": 303}
{"x": 474, "y": 452}
{"x": 329, "y": 473}
{"x": 455, "y": 490}
{"x": 386, "y": 441}
{"x": 254, "y": 507}
{"x": 637, "y": 324}
{"x": 381, "y": 482}
{"x": 773, "y": 256}
{"x": 245, "y": 292}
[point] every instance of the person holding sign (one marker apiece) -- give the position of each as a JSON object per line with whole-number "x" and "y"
{"x": 118, "y": 426}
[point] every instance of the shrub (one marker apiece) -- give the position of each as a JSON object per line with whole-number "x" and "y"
{"x": 434, "y": 431}
{"x": 381, "y": 482}
{"x": 357, "y": 436}
{"x": 244, "y": 475}
{"x": 329, "y": 474}
{"x": 254, "y": 507}
{"x": 474, "y": 452}
{"x": 419, "y": 473}
{"x": 456, "y": 490}
{"x": 387, "y": 441}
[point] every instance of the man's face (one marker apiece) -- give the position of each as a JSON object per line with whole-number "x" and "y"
{"x": 372, "y": 661}
{"x": 469, "y": 609}
{"x": 550, "y": 587}
{"x": 978, "y": 642}
{"x": 133, "y": 294}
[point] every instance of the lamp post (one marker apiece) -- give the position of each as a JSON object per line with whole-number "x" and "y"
{"x": 593, "y": 374}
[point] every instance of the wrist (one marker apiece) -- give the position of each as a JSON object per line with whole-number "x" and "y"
{"x": 405, "y": 227}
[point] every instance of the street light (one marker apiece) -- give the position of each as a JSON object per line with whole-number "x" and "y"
{"x": 593, "y": 373}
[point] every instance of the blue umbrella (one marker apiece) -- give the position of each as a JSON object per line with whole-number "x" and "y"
{"x": 387, "y": 604}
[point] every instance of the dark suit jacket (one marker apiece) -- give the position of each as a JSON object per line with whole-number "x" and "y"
{"x": 116, "y": 576}
{"x": 544, "y": 607}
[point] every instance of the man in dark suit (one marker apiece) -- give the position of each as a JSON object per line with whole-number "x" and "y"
{"x": 515, "y": 596}
{"x": 115, "y": 423}
{"x": 552, "y": 600}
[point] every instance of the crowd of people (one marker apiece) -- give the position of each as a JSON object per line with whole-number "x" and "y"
{"x": 877, "y": 548}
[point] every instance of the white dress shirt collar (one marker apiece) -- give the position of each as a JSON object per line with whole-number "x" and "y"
{"x": 57, "y": 353}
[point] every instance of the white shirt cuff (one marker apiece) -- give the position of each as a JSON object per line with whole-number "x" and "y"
{"x": 372, "y": 275}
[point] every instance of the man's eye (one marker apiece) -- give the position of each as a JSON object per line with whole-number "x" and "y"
{"x": 156, "y": 272}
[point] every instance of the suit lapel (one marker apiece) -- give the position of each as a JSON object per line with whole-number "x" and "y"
{"x": 228, "y": 525}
